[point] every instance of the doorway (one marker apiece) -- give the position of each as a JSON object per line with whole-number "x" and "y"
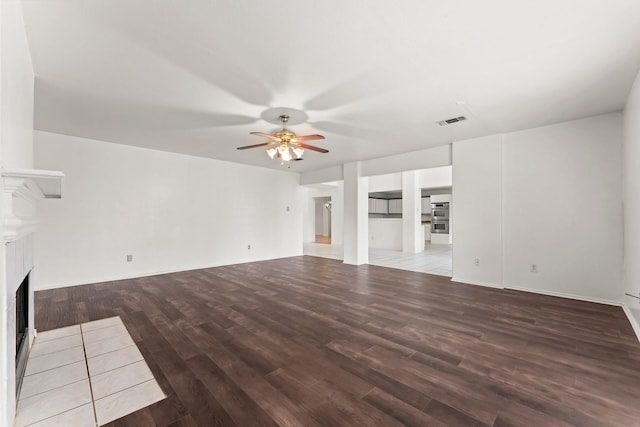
{"x": 436, "y": 220}
{"x": 323, "y": 220}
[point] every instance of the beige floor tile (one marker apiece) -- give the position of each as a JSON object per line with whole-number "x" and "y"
{"x": 58, "y": 344}
{"x": 119, "y": 379}
{"x": 82, "y": 416}
{"x": 54, "y": 360}
{"x": 44, "y": 405}
{"x": 127, "y": 401}
{"x": 53, "y": 378}
{"x": 102, "y": 323}
{"x": 113, "y": 360}
{"x": 57, "y": 333}
{"x": 103, "y": 333}
{"x": 108, "y": 345}
{"x": 56, "y": 390}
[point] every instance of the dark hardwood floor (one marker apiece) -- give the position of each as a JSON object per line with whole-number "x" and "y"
{"x": 309, "y": 341}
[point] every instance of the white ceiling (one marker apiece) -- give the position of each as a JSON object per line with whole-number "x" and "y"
{"x": 373, "y": 76}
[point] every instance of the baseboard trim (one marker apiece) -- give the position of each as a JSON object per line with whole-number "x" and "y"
{"x": 634, "y": 323}
{"x": 139, "y": 275}
{"x": 569, "y": 296}
{"x": 473, "y": 282}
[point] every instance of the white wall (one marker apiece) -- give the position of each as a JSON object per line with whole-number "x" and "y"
{"x": 415, "y": 160}
{"x": 16, "y": 151}
{"x": 319, "y": 216}
{"x": 385, "y": 233}
{"x": 435, "y": 177}
{"x": 387, "y": 182}
{"x": 321, "y": 176}
{"x": 412, "y": 230}
{"x": 172, "y": 212}
{"x": 561, "y": 209}
{"x": 477, "y": 198}
{"x": 356, "y": 215}
{"x": 631, "y": 194}
{"x": 16, "y": 132}
{"x": 322, "y": 216}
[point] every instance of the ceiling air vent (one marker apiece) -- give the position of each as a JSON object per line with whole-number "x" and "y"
{"x": 451, "y": 121}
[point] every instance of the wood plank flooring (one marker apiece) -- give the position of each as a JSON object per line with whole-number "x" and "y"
{"x": 323, "y": 239}
{"x": 309, "y": 341}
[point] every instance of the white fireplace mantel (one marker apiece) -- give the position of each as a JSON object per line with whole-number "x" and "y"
{"x": 22, "y": 188}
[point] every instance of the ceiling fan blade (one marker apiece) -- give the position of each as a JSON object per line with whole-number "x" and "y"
{"x": 306, "y": 138}
{"x": 255, "y": 145}
{"x": 266, "y": 135}
{"x": 311, "y": 147}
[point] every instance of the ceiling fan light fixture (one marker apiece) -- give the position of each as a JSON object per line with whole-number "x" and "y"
{"x": 298, "y": 151}
{"x": 286, "y": 154}
{"x": 271, "y": 152}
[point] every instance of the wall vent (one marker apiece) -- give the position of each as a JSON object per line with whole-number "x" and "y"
{"x": 451, "y": 121}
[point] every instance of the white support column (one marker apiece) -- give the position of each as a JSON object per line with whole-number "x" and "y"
{"x": 356, "y": 215}
{"x": 337, "y": 215}
{"x": 412, "y": 231}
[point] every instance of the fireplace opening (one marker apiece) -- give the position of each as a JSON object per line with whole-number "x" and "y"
{"x": 22, "y": 333}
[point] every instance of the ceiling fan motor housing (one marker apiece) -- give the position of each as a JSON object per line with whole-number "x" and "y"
{"x": 285, "y": 135}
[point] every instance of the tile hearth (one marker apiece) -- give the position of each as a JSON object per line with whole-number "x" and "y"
{"x": 85, "y": 375}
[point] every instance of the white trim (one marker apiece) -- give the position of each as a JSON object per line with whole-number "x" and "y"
{"x": 48, "y": 184}
{"x": 634, "y": 323}
{"x": 473, "y": 282}
{"x": 569, "y": 296}
{"x": 22, "y": 188}
{"x": 627, "y": 311}
{"x": 153, "y": 273}
{"x": 15, "y": 228}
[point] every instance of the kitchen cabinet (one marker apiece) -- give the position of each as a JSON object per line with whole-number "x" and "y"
{"x": 395, "y": 206}
{"x": 427, "y": 232}
{"x": 426, "y": 205}
{"x": 441, "y": 239}
{"x": 441, "y": 198}
{"x": 378, "y": 206}
{"x": 382, "y": 206}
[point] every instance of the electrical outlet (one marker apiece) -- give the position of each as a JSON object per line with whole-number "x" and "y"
{"x": 534, "y": 268}
{"x": 477, "y": 262}
{"x": 248, "y": 247}
{"x": 129, "y": 258}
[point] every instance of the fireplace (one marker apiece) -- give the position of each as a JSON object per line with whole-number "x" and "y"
{"x": 19, "y": 312}
{"x": 20, "y": 190}
{"x": 22, "y": 332}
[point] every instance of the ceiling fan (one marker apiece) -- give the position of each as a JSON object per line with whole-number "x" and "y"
{"x": 285, "y": 144}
